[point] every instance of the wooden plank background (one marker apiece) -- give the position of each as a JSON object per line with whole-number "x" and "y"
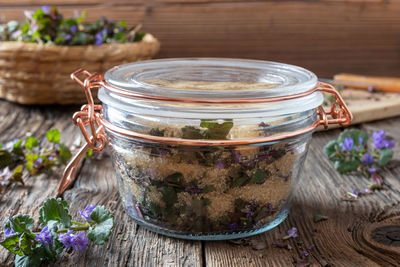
{"x": 325, "y": 36}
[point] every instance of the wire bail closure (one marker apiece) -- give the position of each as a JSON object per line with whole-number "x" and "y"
{"x": 90, "y": 114}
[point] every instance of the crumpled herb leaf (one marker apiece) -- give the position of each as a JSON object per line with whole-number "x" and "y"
{"x": 259, "y": 176}
{"x": 55, "y": 210}
{"x": 215, "y": 130}
{"x": 19, "y": 223}
{"x": 240, "y": 181}
{"x": 104, "y": 224}
{"x": 5, "y": 159}
{"x": 190, "y": 132}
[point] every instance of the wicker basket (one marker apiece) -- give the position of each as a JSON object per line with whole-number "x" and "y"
{"x": 40, "y": 74}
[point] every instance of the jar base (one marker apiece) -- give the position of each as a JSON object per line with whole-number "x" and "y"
{"x": 282, "y": 215}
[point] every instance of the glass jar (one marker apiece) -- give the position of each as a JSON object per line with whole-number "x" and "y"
{"x": 203, "y": 148}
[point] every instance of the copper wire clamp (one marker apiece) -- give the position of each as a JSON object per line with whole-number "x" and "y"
{"x": 90, "y": 114}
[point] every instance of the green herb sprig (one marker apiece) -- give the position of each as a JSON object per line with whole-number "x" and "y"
{"x": 351, "y": 152}
{"x": 31, "y": 155}
{"x": 58, "y": 232}
{"x": 47, "y": 25}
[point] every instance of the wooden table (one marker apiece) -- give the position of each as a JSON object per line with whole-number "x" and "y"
{"x": 342, "y": 240}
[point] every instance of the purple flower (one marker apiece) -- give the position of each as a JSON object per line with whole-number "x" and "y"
{"x": 360, "y": 140}
{"x": 51, "y": 158}
{"x": 380, "y": 140}
{"x": 46, "y": 9}
{"x": 79, "y": 242}
{"x": 192, "y": 189}
{"x": 220, "y": 164}
{"x": 99, "y": 39}
{"x": 355, "y": 192}
{"x": 292, "y": 232}
{"x": 8, "y": 232}
{"x": 76, "y": 242}
{"x": 269, "y": 206}
{"x": 85, "y": 214}
{"x": 44, "y": 237}
{"x": 347, "y": 144}
{"x": 73, "y": 28}
{"x": 370, "y": 88}
{"x": 371, "y": 170}
{"x": 367, "y": 159}
{"x": 68, "y": 37}
{"x": 37, "y": 163}
{"x": 233, "y": 226}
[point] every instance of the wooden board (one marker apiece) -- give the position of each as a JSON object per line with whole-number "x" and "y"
{"x": 370, "y": 106}
{"x": 327, "y": 37}
{"x": 343, "y": 240}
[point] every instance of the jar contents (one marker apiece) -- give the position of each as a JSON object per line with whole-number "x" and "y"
{"x": 206, "y": 190}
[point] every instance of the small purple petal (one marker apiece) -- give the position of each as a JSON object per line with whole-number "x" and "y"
{"x": 44, "y": 237}
{"x": 68, "y": 37}
{"x": 46, "y": 9}
{"x": 8, "y": 232}
{"x": 66, "y": 238}
{"x": 371, "y": 170}
{"x": 233, "y": 226}
{"x": 79, "y": 242}
{"x": 85, "y": 214}
{"x": 370, "y": 88}
{"x": 347, "y": 144}
{"x": 220, "y": 164}
{"x": 73, "y": 28}
{"x": 367, "y": 159}
{"x": 292, "y": 232}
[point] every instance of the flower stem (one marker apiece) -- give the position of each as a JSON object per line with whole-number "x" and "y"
{"x": 78, "y": 223}
{"x": 74, "y": 228}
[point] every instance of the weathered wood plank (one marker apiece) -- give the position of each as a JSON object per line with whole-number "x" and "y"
{"x": 15, "y": 122}
{"x": 325, "y": 36}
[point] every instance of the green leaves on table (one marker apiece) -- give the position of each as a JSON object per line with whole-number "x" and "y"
{"x": 58, "y": 232}
{"x": 352, "y": 151}
{"x": 32, "y": 155}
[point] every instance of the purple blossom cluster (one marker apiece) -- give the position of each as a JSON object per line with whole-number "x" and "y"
{"x": 8, "y": 232}
{"x": 380, "y": 140}
{"x": 77, "y": 242}
{"x": 347, "y": 144}
{"x": 44, "y": 236}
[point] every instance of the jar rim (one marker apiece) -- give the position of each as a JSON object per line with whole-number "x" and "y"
{"x": 198, "y": 78}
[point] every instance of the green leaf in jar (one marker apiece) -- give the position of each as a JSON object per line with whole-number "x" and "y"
{"x": 215, "y": 130}
{"x": 259, "y": 176}
{"x": 240, "y": 181}
{"x": 207, "y": 189}
{"x": 190, "y": 132}
{"x": 169, "y": 196}
{"x": 174, "y": 179}
{"x": 157, "y": 132}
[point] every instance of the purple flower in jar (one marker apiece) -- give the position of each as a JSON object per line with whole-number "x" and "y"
{"x": 233, "y": 226}
{"x": 220, "y": 164}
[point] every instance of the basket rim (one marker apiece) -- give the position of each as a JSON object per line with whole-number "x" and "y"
{"x": 148, "y": 39}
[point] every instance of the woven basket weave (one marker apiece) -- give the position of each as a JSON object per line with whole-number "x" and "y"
{"x": 40, "y": 74}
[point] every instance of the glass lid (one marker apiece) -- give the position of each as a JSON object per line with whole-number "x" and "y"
{"x": 214, "y": 78}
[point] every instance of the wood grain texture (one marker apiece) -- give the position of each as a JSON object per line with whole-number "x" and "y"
{"x": 342, "y": 240}
{"x": 327, "y": 37}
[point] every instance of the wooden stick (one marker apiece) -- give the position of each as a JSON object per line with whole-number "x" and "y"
{"x": 385, "y": 84}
